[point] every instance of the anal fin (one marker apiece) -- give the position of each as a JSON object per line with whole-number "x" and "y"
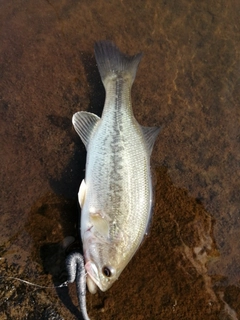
{"x": 84, "y": 124}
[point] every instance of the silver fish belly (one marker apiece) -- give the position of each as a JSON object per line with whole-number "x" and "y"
{"x": 116, "y": 194}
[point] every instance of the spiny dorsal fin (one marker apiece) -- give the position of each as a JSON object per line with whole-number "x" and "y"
{"x": 150, "y": 134}
{"x": 84, "y": 124}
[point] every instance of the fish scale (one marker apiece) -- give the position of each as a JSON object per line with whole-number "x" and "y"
{"x": 118, "y": 176}
{"x": 116, "y": 194}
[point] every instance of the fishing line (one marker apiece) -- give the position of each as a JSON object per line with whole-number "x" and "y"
{"x": 64, "y": 284}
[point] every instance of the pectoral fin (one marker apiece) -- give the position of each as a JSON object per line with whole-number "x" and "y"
{"x": 84, "y": 124}
{"x": 81, "y": 193}
{"x": 150, "y": 134}
{"x": 100, "y": 224}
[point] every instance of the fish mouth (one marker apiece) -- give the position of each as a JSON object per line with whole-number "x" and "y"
{"x": 93, "y": 277}
{"x": 91, "y": 285}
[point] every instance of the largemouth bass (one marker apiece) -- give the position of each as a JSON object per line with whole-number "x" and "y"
{"x": 116, "y": 194}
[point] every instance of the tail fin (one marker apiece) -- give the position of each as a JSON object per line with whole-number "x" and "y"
{"x": 112, "y": 62}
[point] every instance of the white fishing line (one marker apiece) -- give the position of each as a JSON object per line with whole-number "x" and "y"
{"x": 64, "y": 284}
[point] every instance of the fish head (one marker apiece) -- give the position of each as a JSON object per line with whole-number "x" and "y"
{"x": 101, "y": 275}
{"x": 104, "y": 263}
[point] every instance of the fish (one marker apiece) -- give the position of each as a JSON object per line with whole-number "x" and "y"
{"x": 116, "y": 195}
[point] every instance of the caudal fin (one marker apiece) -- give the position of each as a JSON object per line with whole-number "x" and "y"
{"x": 112, "y": 62}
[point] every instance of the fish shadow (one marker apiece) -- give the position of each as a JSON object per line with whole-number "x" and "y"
{"x": 96, "y": 92}
{"x": 49, "y": 254}
{"x": 74, "y": 172}
{"x": 68, "y": 185}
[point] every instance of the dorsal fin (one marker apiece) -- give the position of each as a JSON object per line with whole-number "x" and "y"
{"x": 150, "y": 134}
{"x": 84, "y": 124}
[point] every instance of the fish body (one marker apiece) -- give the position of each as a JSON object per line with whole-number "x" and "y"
{"x": 116, "y": 194}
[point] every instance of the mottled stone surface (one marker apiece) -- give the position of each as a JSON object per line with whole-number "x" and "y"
{"x": 189, "y": 82}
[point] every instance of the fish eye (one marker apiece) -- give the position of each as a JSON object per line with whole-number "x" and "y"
{"x": 107, "y": 272}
